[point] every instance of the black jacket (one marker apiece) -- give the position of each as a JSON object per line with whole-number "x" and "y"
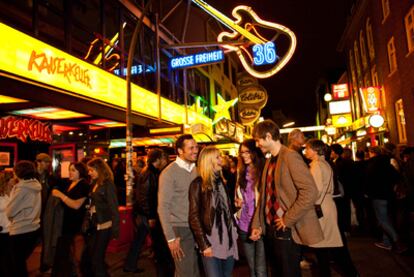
{"x": 146, "y": 198}
{"x": 106, "y": 204}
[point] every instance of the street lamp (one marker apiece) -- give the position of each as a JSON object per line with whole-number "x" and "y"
{"x": 288, "y": 124}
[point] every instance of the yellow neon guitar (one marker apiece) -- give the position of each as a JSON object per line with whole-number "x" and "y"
{"x": 245, "y": 31}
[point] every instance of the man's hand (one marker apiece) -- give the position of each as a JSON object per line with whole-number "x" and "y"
{"x": 208, "y": 252}
{"x": 175, "y": 248}
{"x": 256, "y": 233}
{"x": 280, "y": 224}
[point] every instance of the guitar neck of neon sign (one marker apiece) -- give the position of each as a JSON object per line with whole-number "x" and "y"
{"x": 228, "y": 22}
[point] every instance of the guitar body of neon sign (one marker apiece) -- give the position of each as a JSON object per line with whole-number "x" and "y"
{"x": 244, "y": 33}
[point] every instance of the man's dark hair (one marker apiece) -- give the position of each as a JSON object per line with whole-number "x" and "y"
{"x": 266, "y": 126}
{"x": 179, "y": 144}
{"x": 153, "y": 155}
{"x": 337, "y": 148}
{"x": 318, "y": 146}
{"x": 25, "y": 170}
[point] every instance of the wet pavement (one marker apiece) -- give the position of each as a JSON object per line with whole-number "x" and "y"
{"x": 369, "y": 260}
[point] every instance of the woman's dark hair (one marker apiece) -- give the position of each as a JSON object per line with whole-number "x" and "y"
{"x": 103, "y": 169}
{"x": 82, "y": 169}
{"x": 258, "y": 160}
{"x": 318, "y": 146}
{"x": 25, "y": 170}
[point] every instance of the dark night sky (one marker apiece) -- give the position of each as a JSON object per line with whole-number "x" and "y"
{"x": 318, "y": 26}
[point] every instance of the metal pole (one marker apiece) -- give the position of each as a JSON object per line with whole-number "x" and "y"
{"x": 129, "y": 149}
{"x": 158, "y": 54}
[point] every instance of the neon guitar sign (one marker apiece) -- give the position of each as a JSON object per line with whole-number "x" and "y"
{"x": 246, "y": 31}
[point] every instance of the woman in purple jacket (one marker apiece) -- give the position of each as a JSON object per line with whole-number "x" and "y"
{"x": 250, "y": 167}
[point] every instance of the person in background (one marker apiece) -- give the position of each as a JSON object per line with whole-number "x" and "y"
{"x": 296, "y": 141}
{"x": 73, "y": 198}
{"x": 23, "y": 212}
{"x": 6, "y": 183}
{"x": 332, "y": 245}
{"x": 146, "y": 217}
{"x": 250, "y": 167}
{"x": 119, "y": 170}
{"x": 105, "y": 218}
{"x": 285, "y": 212}
{"x": 173, "y": 206}
{"x": 210, "y": 216}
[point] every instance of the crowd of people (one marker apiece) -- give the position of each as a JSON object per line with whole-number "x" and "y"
{"x": 271, "y": 204}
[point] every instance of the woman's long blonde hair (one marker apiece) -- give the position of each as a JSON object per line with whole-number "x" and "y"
{"x": 206, "y": 166}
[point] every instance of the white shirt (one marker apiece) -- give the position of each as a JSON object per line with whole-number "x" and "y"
{"x": 185, "y": 165}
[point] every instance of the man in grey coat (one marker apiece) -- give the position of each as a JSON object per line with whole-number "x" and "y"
{"x": 173, "y": 206}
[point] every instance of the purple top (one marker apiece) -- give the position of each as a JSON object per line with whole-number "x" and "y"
{"x": 248, "y": 206}
{"x": 222, "y": 251}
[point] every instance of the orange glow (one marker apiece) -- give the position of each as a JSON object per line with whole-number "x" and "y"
{"x": 6, "y": 99}
{"x": 49, "y": 113}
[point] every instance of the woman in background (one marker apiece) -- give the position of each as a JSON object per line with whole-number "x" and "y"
{"x": 73, "y": 198}
{"x": 210, "y": 217}
{"x": 23, "y": 212}
{"x": 105, "y": 218}
{"x": 250, "y": 166}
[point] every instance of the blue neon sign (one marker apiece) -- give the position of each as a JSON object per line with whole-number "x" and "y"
{"x": 135, "y": 70}
{"x": 264, "y": 53}
{"x": 197, "y": 59}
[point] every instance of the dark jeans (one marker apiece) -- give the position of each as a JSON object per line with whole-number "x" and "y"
{"x": 64, "y": 264}
{"x": 282, "y": 252}
{"x": 141, "y": 232}
{"x": 255, "y": 255}
{"x": 22, "y": 246}
{"x": 214, "y": 267}
{"x": 341, "y": 257}
{"x": 5, "y": 259}
{"x": 381, "y": 210}
{"x": 163, "y": 258}
{"x": 93, "y": 256}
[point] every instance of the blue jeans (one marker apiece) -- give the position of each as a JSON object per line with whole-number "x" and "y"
{"x": 381, "y": 212}
{"x": 255, "y": 255}
{"x": 215, "y": 267}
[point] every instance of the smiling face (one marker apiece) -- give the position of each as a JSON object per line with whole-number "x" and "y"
{"x": 189, "y": 152}
{"x": 73, "y": 173}
{"x": 93, "y": 173}
{"x": 217, "y": 161}
{"x": 246, "y": 155}
{"x": 265, "y": 144}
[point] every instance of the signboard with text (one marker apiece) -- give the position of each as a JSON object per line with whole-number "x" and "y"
{"x": 371, "y": 99}
{"x": 197, "y": 59}
{"x": 340, "y": 91}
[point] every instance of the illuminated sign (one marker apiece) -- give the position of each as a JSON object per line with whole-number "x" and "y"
{"x": 252, "y": 98}
{"x": 376, "y": 120}
{"x": 242, "y": 32}
{"x": 340, "y": 91}
{"x": 342, "y": 120}
{"x": 23, "y": 128}
{"x": 264, "y": 53}
{"x": 67, "y": 74}
{"x": 370, "y": 99}
{"x": 229, "y": 129}
{"x": 135, "y": 70}
{"x": 338, "y": 107}
{"x": 167, "y": 130}
{"x": 197, "y": 59}
{"x": 222, "y": 108}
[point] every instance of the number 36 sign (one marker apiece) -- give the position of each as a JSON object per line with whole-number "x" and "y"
{"x": 264, "y": 53}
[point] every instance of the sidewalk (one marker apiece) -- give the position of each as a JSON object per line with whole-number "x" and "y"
{"x": 369, "y": 260}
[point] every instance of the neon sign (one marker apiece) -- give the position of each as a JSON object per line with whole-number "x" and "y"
{"x": 245, "y": 32}
{"x": 55, "y": 65}
{"x": 264, "y": 53}
{"x": 135, "y": 70}
{"x": 197, "y": 59}
{"x": 22, "y": 128}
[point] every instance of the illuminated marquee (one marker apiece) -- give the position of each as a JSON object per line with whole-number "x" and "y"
{"x": 197, "y": 59}
{"x": 22, "y": 128}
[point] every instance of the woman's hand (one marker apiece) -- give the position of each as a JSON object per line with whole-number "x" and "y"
{"x": 208, "y": 252}
{"x": 57, "y": 193}
{"x": 238, "y": 202}
{"x": 256, "y": 233}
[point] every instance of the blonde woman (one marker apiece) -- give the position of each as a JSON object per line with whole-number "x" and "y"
{"x": 210, "y": 216}
{"x": 105, "y": 216}
{"x": 332, "y": 246}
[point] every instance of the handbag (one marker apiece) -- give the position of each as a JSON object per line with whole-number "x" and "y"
{"x": 87, "y": 223}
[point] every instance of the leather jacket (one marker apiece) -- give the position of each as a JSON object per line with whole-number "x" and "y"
{"x": 202, "y": 213}
{"x": 146, "y": 193}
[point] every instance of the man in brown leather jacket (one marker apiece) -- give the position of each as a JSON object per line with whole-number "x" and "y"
{"x": 286, "y": 214}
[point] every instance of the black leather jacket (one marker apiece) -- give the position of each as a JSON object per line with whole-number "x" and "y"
{"x": 146, "y": 197}
{"x": 201, "y": 213}
{"x": 106, "y": 204}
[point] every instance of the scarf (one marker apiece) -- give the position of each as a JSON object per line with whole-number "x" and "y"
{"x": 222, "y": 209}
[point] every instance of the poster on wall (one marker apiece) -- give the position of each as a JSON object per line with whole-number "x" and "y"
{"x": 4, "y": 159}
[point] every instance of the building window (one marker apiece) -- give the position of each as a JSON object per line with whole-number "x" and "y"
{"x": 385, "y": 9}
{"x": 363, "y": 47}
{"x": 357, "y": 61}
{"x": 401, "y": 124}
{"x": 370, "y": 40}
{"x": 409, "y": 29}
{"x": 374, "y": 76}
{"x": 392, "y": 55}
